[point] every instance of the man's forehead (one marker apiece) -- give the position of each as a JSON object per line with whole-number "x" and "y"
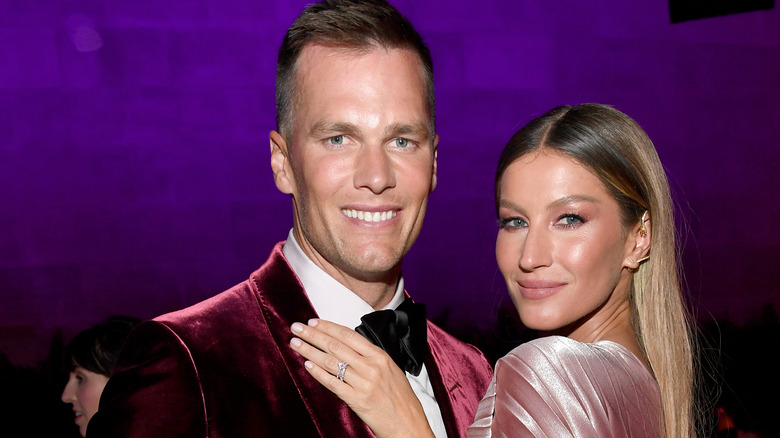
{"x": 330, "y": 69}
{"x": 313, "y": 55}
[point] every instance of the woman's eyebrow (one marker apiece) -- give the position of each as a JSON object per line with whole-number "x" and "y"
{"x": 571, "y": 199}
{"x": 510, "y": 205}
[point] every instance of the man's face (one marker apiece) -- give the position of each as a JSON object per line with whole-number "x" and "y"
{"x": 362, "y": 160}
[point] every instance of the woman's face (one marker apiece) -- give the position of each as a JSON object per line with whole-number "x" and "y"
{"x": 83, "y": 392}
{"x": 562, "y": 246}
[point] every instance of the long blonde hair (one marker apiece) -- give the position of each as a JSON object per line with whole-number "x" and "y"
{"x": 616, "y": 149}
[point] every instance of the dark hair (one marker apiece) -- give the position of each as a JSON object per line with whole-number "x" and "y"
{"x": 97, "y": 348}
{"x": 613, "y": 147}
{"x": 351, "y": 24}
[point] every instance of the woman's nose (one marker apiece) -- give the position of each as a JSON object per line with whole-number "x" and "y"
{"x": 69, "y": 392}
{"x": 536, "y": 251}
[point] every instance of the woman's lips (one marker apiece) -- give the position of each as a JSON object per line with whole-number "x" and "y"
{"x": 538, "y": 289}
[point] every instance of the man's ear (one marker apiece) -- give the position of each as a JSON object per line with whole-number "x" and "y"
{"x": 280, "y": 164}
{"x": 639, "y": 240}
{"x": 435, "y": 160}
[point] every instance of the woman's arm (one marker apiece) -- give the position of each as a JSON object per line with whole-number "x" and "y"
{"x": 373, "y": 386}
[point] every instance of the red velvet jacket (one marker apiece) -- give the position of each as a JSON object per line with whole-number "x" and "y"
{"x": 224, "y": 368}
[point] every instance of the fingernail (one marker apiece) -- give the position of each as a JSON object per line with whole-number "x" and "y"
{"x": 308, "y": 364}
{"x": 313, "y": 322}
{"x": 297, "y": 327}
{"x": 295, "y": 342}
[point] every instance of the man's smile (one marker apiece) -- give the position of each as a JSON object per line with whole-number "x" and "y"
{"x": 369, "y": 216}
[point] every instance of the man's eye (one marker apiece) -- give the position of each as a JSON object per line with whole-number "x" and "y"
{"x": 401, "y": 142}
{"x": 337, "y": 140}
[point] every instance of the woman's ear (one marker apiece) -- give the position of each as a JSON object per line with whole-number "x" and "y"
{"x": 639, "y": 243}
{"x": 280, "y": 164}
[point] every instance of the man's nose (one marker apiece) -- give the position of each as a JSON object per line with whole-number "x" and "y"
{"x": 374, "y": 169}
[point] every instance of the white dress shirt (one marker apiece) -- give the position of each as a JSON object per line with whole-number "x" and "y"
{"x": 334, "y": 302}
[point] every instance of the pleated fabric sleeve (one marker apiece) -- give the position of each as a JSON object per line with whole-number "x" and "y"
{"x": 558, "y": 387}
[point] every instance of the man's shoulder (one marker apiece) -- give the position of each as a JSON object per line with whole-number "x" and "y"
{"x": 234, "y": 304}
{"x": 199, "y": 327}
{"x": 222, "y": 305}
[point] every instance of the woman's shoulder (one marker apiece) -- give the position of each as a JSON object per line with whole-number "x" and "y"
{"x": 561, "y": 348}
{"x": 557, "y": 386}
{"x": 600, "y": 362}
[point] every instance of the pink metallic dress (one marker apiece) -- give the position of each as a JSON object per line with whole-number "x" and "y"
{"x": 558, "y": 387}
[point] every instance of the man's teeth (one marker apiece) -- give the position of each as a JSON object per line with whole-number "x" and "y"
{"x": 369, "y": 216}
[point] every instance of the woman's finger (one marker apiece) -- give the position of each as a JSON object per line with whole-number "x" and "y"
{"x": 325, "y": 342}
{"x": 326, "y": 361}
{"x": 343, "y": 343}
{"x": 373, "y": 385}
{"x": 349, "y": 337}
{"x": 379, "y": 400}
{"x": 318, "y": 346}
{"x": 341, "y": 388}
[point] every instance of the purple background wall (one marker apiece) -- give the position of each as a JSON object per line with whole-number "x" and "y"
{"x": 134, "y": 164}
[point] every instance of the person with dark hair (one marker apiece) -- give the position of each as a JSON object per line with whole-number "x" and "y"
{"x": 586, "y": 244}
{"x": 355, "y": 149}
{"x": 90, "y": 358}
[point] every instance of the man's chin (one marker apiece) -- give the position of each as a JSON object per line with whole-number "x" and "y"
{"x": 373, "y": 266}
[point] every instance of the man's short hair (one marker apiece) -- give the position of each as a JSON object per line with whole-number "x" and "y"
{"x": 360, "y": 25}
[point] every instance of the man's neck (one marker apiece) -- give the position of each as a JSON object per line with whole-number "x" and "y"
{"x": 320, "y": 277}
{"x": 376, "y": 294}
{"x": 375, "y": 288}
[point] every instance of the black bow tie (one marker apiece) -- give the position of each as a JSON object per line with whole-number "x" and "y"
{"x": 402, "y": 333}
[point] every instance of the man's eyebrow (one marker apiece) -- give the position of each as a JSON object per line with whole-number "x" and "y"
{"x": 322, "y": 128}
{"x": 417, "y": 129}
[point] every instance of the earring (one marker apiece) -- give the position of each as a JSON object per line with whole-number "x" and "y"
{"x": 643, "y": 229}
{"x": 643, "y": 259}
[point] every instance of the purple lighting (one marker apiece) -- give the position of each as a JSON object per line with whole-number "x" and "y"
{"x": 83, "y": 33}
{"x": 134, "y": 163}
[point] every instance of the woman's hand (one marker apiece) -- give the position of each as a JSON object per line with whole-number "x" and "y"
{"x": 373, "y": 386}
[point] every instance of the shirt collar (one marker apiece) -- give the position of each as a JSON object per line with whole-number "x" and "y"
{"x": 331, "y": 300}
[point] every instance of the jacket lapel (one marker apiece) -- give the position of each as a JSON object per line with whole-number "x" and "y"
{"x": 443, "y": 380}
{"x": 282, "y": 302}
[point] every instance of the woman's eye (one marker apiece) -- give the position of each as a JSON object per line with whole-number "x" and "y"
{"x": 401, "y": 142}
{"x": 571, "y": 220}
{"x": 512, "y": 222}
{"x": 337, "y": 140}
